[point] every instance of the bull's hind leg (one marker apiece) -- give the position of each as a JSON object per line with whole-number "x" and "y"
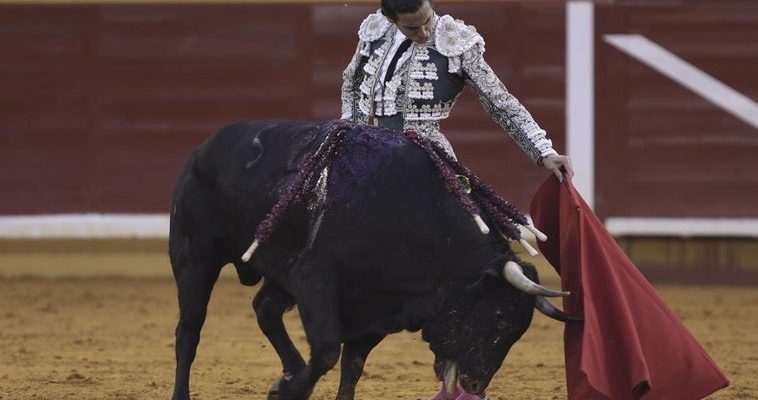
{"x": 196, "y": 263}
{"x": 270, "y": 304}
{"x": 354, "y": 355}
{"x": 315, "y": 289}
{"x": 194, "y": 284}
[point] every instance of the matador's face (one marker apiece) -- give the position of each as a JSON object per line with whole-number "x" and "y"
{"x": 417, "y": 26}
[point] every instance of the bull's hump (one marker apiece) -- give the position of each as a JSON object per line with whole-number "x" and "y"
{"x": 373, "y": 139}
{"x": 365, "y": 149}
{"x": 365, "y": 156}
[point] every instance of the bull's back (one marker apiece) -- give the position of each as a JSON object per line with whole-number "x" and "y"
{"x": 232, "y": 179}
{"x": 390, "y": 207}
{"x": 247, "y": 156}
{"x": 391, "y": 183}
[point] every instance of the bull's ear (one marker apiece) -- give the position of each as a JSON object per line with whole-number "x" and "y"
{"x": 488, "y": 277}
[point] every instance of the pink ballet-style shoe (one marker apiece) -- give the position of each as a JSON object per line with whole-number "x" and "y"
{"x": 444, "y": 395}
{"x": 469, "y": 396}
{"x": 464, "y": 395}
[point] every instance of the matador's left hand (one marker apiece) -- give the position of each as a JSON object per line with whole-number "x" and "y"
{"x": 556, "y": 162}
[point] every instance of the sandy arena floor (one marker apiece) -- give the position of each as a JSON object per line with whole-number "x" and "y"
{"x": 100, "y": 326}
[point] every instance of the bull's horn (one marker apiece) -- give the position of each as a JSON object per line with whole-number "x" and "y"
{"x": 515, "y": 276}
{"x": 250, "y": 251}
{"x": 547, "y": 308}
{"x": 529, "y": 249}
{"x": 537, "y": 233}
{"x": 451, "y": 376}
{"x": 480, "y": 223}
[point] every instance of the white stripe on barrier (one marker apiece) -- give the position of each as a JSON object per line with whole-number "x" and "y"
{"x": 683, "y": 227}
{"x": 97, "y": 226}
{"x": 155, "y": 226}
{"x": 85, "y": 226}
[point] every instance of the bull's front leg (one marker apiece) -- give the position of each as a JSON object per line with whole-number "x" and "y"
{"x": 270, "y": 305}
{"x": 316, "y": 293}
{"x": 194, "y": 283}
{"x": 354, "y": 354}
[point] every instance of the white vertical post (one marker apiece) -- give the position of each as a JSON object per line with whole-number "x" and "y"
{"x": 580, "y": 95}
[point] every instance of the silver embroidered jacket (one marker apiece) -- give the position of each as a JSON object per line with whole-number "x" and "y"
{"x": 423, "y": 90}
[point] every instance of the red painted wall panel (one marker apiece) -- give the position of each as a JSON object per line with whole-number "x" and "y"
{"x": 101, "y": 104}
{"x": 663, "y": 150}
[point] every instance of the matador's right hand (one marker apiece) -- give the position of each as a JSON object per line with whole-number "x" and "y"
{"x": 556, "y": 162}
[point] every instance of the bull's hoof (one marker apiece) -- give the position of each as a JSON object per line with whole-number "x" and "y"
{"x": 273, "y": 391}
{"x": 273, "y": 395}
{"x": 290, "y": 389}
{"x": 278, "y": 389}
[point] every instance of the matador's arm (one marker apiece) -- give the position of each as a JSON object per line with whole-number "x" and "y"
{"x": 351, "y": 77}
{"x": 503, "y": 107}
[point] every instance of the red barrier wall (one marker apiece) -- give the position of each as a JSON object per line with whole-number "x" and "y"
{"x": 662, "y": 150}
{"x": 101, "y": 104}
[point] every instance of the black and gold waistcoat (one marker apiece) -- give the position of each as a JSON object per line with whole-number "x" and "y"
{"x": 424, "y": 89}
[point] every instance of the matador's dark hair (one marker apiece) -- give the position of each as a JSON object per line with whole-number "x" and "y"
{"x": 391, "y": 8}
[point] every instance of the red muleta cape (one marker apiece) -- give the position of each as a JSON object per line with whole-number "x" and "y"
{"x": 631, "y": 345}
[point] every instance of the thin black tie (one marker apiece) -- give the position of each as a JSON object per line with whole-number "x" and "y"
{"x": 391, "y": 69}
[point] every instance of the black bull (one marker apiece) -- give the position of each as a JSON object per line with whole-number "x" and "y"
{"x": 387, "y": 248}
